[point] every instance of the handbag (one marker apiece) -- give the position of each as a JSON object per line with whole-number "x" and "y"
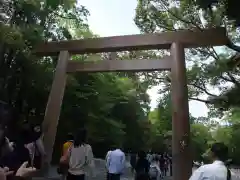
{"x": 64, "y": 162}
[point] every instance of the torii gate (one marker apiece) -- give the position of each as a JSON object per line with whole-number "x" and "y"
{"x": 175, "y": 41}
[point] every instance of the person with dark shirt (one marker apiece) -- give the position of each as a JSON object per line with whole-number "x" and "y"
{"x": 162, "y": 165}
{"x": 142, "y": 167}
{"x": 133, "y": 161}
{"x": 35, "y": 147}
{"x": 13, "y": 160}
{"x": 166, "y": 164}
{"x": 18, "y": 154}
{"x": 170, "y": 163}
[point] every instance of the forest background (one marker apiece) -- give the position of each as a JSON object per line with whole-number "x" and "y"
{"x": 115, "y": 107}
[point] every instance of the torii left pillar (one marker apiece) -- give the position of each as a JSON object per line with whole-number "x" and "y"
{"x": 54, "y": 104}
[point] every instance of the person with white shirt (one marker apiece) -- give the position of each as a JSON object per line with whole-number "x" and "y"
{"x": 115, "y": 164}
{"x": 154, "y": 170}
{"x": 80, "y": 158}
{"x": 142, "y": 167}
{"x": 217, "y": 170}
{"x": 150, "y": 156}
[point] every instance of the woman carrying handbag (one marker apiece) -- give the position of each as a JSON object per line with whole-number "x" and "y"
{"x": 79, "y": 158}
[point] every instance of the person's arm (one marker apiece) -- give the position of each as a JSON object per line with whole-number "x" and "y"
{"x": 197, "y": 174}
{"x": 106, "y": 156}
{"x": 107, "y": 159}
{"x": 90, "y": 160}
{"x": 24, "y": 172}
{"x": 159, "y": 172}
{"x": 40, "y": 146}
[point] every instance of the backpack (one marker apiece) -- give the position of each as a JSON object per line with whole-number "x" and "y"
{"x": 153, "y": 172}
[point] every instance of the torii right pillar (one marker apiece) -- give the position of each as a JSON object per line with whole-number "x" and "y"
{"x": 181, "y": 150}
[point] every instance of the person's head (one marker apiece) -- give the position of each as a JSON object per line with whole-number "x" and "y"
{"x": 142, "y": 155}
{"x": 113, "y": 147}
{"x": 80, "y": 137}
{"x": 219, "y": 151}
{"x": 70, "y": 137}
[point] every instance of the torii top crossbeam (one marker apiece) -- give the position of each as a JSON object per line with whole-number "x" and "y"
{"x": 190, "y": 39}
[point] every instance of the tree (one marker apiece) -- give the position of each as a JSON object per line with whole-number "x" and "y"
{"x": 229, "y": 133}
{"x": 161, "y": 119}
{"x": 228, "y": 5}
{"x": 201, "y": 137}
{"x": 211, "y": 71}
{"x": 109, "y": 105}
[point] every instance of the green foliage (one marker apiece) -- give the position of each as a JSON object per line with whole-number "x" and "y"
{"x": 112, "y": 106}
{"x": 212, "y": 73}
{"x": 200, "y": 138}
{"x": 162, "y": 125}
{"x": 228, "y": 5}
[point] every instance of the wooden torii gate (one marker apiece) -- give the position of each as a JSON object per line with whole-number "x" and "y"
{"x": 175, "y": 41}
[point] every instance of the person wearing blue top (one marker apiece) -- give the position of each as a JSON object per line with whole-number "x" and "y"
{"x": 115, "y": 164}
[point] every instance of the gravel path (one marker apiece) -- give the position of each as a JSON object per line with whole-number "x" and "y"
{"x": 100, "y": 172}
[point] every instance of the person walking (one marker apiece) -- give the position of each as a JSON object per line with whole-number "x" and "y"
{"x": 79, "y": 157}
{"x": 154, "y": 171}
{"x": 68, "y": 143}
{"x": 115, "y": 164}
{"x": 217, "y": 170}
{"x": 142, "y": 167}
{"x": 133, "y": 161}
{"x": 162, "y": 165}
{"x": 63, "y": 168}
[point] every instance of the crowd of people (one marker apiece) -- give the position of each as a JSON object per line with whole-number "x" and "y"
{"x": 22, "y": 154}
{"x": 144, "y": 166}
{"x": 154, "y": 165}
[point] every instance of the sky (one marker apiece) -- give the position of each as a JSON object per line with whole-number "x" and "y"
{"x": 115, "y": 17}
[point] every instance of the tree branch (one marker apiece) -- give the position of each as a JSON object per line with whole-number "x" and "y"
{"x": 233, "y": 79}
{"x": 204, "y": 90}
{"x": 232, "y": 46}
{"x": 200, "y": 100}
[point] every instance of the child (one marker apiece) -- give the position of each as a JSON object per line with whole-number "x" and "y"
{"x": 154, "y": 171}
